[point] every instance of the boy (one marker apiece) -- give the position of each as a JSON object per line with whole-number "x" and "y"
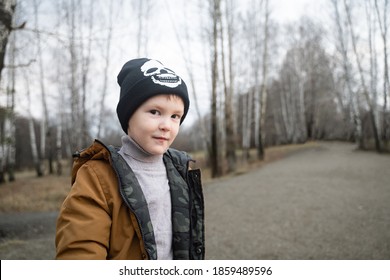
{"x": 140, "y": 201}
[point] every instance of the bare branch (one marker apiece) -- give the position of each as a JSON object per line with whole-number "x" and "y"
{"x": 31, "y": 61}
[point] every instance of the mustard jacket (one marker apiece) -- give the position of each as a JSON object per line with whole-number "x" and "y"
{"x": 104, "y": 215}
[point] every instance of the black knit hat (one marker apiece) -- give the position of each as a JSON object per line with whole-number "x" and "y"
{"x": 143, "y": 78}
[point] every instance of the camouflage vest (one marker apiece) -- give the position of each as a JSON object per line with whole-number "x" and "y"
{"x": 187, "y": 204}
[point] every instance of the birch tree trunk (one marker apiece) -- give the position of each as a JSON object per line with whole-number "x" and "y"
{"x": 386, "y": 80}
{"x": 301, "y": 130}
{"x": 362, "y": 80}
{"x": 7, "y": 10}
{"x": 106, "y": 68}
{"x": 58, "y": 147}
{"x": 373, "y": 65}
{"x": 230, "y": 137}
{"x": 3, "y": 116}
{"x": 60, "y": 120}
{"x": 33, "y": 139}
{"x": 263, "y": 93}
{"x": 44, "y": 117}
{"x": 10, "y": 140}
{"x": 354, "y": 112}
{"x": 85, "y": 65}
{"x": 214, "y": 150}
{"x": 246, "y": 124}
{"x": 75, "y": 139}
{"x": 251, "y": 33}
{"x": 285, "y": 92}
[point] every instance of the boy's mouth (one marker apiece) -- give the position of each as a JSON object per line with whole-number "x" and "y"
{"x": 160, "y": 138}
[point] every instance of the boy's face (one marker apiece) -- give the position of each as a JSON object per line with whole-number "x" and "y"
{"x": 155, "y": 124}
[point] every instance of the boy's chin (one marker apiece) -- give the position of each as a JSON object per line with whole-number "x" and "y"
{"x": 158, "y": 151}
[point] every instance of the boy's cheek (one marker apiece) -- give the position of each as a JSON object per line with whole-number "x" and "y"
{"x": 175, "y": 134}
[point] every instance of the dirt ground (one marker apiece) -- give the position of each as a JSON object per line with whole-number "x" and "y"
{"x": 327, "y": 202}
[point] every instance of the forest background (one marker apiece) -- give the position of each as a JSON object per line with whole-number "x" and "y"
{"x": 255, "y": 80}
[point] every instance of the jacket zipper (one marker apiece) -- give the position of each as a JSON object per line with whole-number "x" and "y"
{"x": 189, "y": 204}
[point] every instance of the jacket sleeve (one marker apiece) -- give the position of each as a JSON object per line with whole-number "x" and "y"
{"x": 84, "y": 222}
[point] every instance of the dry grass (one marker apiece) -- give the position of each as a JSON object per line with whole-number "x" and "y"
{"x": 32, "y": 194}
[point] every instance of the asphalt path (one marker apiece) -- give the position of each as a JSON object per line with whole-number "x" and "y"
{"x": 331, "y": 202}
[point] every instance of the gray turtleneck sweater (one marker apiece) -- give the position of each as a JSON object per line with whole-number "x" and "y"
{"x": 151, "y": 174}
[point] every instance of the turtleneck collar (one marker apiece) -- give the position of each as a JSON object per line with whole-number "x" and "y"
{"x": 135, "y": 151}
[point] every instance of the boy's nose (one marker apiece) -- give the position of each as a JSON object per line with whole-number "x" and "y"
{"x": 164, "y": 124}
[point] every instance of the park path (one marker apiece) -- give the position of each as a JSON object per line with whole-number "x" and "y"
{"x": 327, "y": 202}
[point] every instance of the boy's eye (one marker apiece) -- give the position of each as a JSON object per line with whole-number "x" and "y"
{"x": 176, "y": 117}
{"x": 154, "y": 112}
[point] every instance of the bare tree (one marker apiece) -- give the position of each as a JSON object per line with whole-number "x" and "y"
{"x": 365, "y": 89}
{"x": 373, "y": 61}
{"x": 386, "y": 80}
{"x": 230, "y": 135}
{"x": 294, "y": 80}
{"x": 33, "y": 138}
{"x": 7, "y": 10}
{"x": 214, "y": 148}
{"x": 86, "y": 53}
{"x": 11, "y": 109}
{"x": 144, "y": 9}
{"x": 301, "y": 83}
{"x": 291, "y": 96}
{"x": 286, "y": 116}
{"x": 247, "y": 123}
{"x": 45, "y": 115}
{"x": 352, "y": 107}
{"x": 4, "y": 120}
{"x": 9, "y": 133}
{"x": 75, "y": 130}
{"x": 263, "y": 92}
{"x": 107, "y": 51}
{"x": 61, "y": 84}
{"x": 60, "y": 113}
{"x": 252, "y": 39}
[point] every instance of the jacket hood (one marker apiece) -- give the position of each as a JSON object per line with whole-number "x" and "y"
{"x": 97, "y": 151}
